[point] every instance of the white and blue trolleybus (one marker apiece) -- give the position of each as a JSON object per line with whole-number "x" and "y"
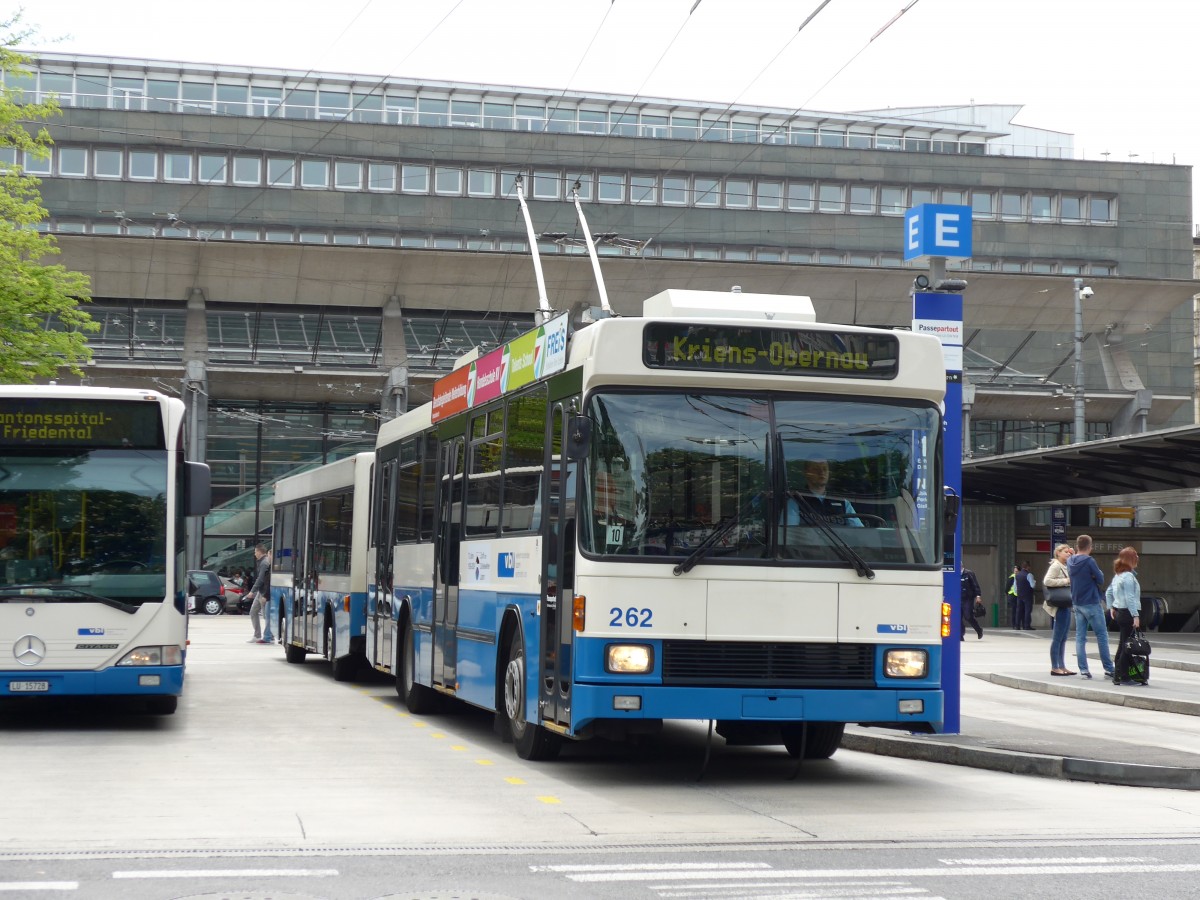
{"x": 721, "y": 510}
{"x": 94, "y": 490}
{"x": 319, "y": 562}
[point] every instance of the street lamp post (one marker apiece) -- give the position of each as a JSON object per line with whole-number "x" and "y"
{"x": 1080, "y": 293}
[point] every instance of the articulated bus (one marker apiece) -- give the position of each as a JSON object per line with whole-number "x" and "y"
{"x": 592, "y": 533}
{"x": 319, "y": 562}
{"x": 94, "y": 489}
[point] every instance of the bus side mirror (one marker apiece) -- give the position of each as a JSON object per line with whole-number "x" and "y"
{"x": 579, "y": 437}
{"x": 197, "y": 489}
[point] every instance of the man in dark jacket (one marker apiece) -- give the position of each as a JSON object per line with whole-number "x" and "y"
{"x": 260, "y": 591}
{"x": 1087, "y": 600}
{"x": 1026, "y": 585}
{"x": 970, "y": 595}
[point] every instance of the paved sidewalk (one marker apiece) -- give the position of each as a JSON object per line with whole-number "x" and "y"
{"x": 1017, "y": 717}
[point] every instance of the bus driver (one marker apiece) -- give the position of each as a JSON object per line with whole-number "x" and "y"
{"x": 816, "y": 504}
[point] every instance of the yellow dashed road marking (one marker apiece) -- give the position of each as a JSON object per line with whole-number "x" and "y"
{"x": 457, "y": 747}
{"x": 515, "y": 780}
{"x": 549, "y": 799}
{"x": 485, "y": 762}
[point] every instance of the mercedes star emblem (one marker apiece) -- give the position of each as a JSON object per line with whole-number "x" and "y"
{"x": 29, "y": 650}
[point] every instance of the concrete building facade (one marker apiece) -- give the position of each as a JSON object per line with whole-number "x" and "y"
{"x": 303, "y": 254}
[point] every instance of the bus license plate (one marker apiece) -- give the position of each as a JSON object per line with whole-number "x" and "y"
{"x": 28, "y": 687}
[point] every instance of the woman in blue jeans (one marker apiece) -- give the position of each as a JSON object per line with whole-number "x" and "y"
{"x": 1056, "y": 576}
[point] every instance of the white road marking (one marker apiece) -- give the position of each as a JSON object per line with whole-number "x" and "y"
{"x": 1027, "y": 869}
{"x": 228, "y": 873}
{"x": 653, "y": 867}
{"x": 39, "y": 885}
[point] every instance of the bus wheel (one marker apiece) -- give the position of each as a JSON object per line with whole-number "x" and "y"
{"x": 532, "y": 741}
{"x": 343, "y": 668}
{"x": 821, "y": 742}
{"x": 294, "y": 654}
{"x": 162, "y": 706}
{"x": 419, "y": 698}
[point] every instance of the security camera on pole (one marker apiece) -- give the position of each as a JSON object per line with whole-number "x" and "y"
{"x": 939, "y": 231}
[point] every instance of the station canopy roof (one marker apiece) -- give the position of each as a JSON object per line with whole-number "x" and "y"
{"x": 1155, "y": 467}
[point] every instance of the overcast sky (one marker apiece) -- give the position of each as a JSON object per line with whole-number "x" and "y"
{"x": 1120, "y": 76}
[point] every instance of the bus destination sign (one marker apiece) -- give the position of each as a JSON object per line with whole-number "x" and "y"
{"x": 54, "y": 422}
{"x": 771, "y": 350}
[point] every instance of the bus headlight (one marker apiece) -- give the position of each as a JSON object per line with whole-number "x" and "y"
{"x": 623, "y": 659}
{"x": 169, "y": 655}
{"x": 906, "y": 664}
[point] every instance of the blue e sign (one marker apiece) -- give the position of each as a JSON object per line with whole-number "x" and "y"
{"x": 935, "y": 229}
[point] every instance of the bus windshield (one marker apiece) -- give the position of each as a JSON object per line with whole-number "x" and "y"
{"x": 812, "y": 479}
{"x": 84, "y": 523}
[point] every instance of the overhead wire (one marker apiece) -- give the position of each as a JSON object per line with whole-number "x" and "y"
{"x": 745, "y": 157}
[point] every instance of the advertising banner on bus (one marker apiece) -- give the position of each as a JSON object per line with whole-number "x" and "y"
{"x": 538, "y": 352}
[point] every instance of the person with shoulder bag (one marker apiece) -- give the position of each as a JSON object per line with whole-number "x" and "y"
{"x": 1124, "y": 598}
{"x": 1057, "y": 585}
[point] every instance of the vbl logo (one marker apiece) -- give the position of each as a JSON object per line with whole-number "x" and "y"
{"x": 891, "y": 629}
{"x": 89, "y": 631}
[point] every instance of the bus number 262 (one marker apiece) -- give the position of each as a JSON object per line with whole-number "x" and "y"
{"x": 630, "y": 616}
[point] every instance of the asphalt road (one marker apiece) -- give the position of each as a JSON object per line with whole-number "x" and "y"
{"x": 273, "y": 780}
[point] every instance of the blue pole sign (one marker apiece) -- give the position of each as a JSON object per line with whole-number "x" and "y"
{"x": 941, "y": 315}
{"x": 937, "y": 229}
{"x": 1058, "y": 526}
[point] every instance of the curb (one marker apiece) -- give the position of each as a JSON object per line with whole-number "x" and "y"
{"x": 1116, "y": 698}
{"x": 933, "y": 749}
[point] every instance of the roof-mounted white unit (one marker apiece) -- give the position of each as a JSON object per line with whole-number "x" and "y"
{"x": 680, "y": 304}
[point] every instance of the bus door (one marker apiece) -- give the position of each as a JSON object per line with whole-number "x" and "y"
{"x": 445, "y": 579}
{"x": 379, "y": 625}
{"x": 558, "y": 576}
{"x": 309, "y": 624}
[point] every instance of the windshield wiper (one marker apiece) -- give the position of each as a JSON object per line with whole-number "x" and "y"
{"x": 57, "y": 593}
{"x": 840, "y": 547}
{"x": 723, "y": 528}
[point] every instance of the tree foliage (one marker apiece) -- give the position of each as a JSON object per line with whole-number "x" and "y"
{"x": 32, "y": 292}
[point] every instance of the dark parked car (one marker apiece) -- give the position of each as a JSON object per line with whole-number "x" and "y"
{"x": 206, "y": 587}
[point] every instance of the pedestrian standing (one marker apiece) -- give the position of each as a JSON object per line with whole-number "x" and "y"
{"x": 1124, "y": 597}
{"x": 1026, "y": 585}
{"x": 1057, "y": 577}
{"x": 1088, "y": 602}
{"x": 260, "y": 592}
{"x": 1010, "y": 595}
{"x": 971, "y": 594}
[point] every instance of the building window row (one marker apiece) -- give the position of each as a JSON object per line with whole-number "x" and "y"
{"x": 514, "y": 244}
{"x": 630, "y": 188}
{"x": 442, "y": 108}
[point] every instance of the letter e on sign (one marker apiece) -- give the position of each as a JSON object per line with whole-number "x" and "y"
{"x": 934, "y": 229}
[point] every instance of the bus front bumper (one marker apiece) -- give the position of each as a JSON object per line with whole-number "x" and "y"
{"x": 918, "y": 705}
{"x": 138, "y": 681}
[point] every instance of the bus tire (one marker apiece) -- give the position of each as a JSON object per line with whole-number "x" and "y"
{"x": 822, "y": 740}
{"x": 531, "y": 741}
{"x": 343, "y": 668}
{"x": 419, "y": 698}
{"x": 294, "y": 654}
{"x": 164, "y": 705}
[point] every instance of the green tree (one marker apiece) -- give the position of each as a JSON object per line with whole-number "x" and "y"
{"x": 30, "y": 289}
